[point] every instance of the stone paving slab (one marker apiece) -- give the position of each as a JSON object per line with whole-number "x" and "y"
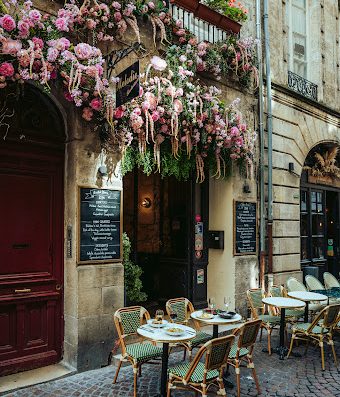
{"x": 294, "y": 377}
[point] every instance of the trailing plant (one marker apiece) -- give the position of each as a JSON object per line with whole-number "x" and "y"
{"x": 132, "y": 274}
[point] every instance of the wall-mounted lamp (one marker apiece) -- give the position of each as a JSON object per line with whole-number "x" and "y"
{"x": 146, "y": 202}
{"x": 291, "y": 169}
{"x": 246, "y": 188}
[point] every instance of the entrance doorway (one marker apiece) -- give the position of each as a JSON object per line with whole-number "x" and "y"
{"x": 31, "y": 234}
{"x": 167, "y": 223}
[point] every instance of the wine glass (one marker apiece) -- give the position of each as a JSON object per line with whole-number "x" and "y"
{"x": 226, "y": 303}
{"x": 173, "y": 316}
{"x": 211, "y": 303}
{"x": 159, "y": 315}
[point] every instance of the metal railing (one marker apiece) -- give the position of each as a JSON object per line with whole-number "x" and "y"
{"x": 201, "y": 29}
{"x": 302, "y": 86}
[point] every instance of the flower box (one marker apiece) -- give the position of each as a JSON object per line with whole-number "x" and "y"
{"x": 209, "y": 15}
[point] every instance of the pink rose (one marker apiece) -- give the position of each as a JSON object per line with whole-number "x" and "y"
{"x": 83, "y": 51}
{"x": 90, "y": 24}
{"x": 11, "y": 47}
{"x": 87, "y": 114}
{"x": 6, "y": 69}
{"x": 34, "y": 16}
{"x": 38, "y": 43}
{"x": 118, "y": 16}
{"x": 61, "y": 24}
{"x": 180, "y": 32}
{"x": 179, "y": 23}
{"x": 178, "y": 106}
{"x": 7, "y": 22}
{"x": 96, "y": 104}
{"x": 52, "y": 54}
{"x": 116, "y": 5}
{"x": 158, "y": 63}
{"x": 24, "y": 29}
{"x": 155, "y": 116}
{"x": 118, "y": 113}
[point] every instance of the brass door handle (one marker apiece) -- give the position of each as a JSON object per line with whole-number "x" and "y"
{"x": 22, "y": 291}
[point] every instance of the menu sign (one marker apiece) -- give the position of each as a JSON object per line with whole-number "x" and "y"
{"x": 100, "y": 225}
{"x": 245, "y": 242}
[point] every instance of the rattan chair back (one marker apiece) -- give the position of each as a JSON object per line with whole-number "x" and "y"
{"x": 182, "y": 307}
{"x": 330, "y": 281}
{"x": 313, "y": 283}
{"x": 327, "y": 318}
{"x": 255, "y": 297}
{"x": 248, "y": 334}
{"x": 216, "y": 353}
{"x": 276, "y": 291}
{"x": 295, "y": 285}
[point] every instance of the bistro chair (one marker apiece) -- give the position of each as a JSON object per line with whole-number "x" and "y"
{"x": 295, "y": 285}
{"x": 278, "y": 291}
{"x": 269, "y": 322}
{"x": 127, "y": 320}
{"x": 313, "y": 283}
{"x": 183, "y": 309}
{"x": 330, "y": 281}
{"x": 205, "y": 370}
{"x": 242, "y": 351}
{"x": 318, "y": 332}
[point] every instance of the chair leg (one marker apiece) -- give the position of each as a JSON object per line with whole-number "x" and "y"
{"x": 291, "y": 345}
{"x": 261, "y": 331}
{"x": 322, "y": 355}
{"x": 185, "y": 353}
{"x": 333, "y": 350}
{"x": 269, "y": 332}
{"x": 135, "y": 373}
{"x": 238, "y": 377}
{"x": 117, "y": 372}
{"x": 168, "y": 394}
{"x": 190, "y": 354}
{"x": 204, "y": 390}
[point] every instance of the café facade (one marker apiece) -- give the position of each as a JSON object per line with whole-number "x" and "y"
{"x": 64, "y": 207}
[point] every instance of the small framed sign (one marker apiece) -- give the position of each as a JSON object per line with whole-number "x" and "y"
{"x": 245, "y": 228}
{"x": 128, "y": 84}
{"x": 100, "y": 225}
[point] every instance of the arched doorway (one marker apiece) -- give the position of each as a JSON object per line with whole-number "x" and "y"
{"x": 31, "y": 233}
{"x": 320, "y": 211}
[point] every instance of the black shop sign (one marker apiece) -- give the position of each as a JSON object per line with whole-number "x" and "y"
{"x": 245, "y": 232}
{"x": 100, "y": 234}
{"x": 127, "y": 85}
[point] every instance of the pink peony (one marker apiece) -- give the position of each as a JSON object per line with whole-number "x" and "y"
{"x": 61, "y": 24}
{"x": 90, "y": 24}
{"x": 179, "y": 23}
{"x": 87, "y": 114}
{"x": 11, "y": 47}
{"x": 38, "y": 43}
{"x": 180, "y": 32}
{"x": 117, "y": 16}
{"x": 34, "y": 16}
{"x": 83, "y": 51}
{"x": 96, "y": 104}
{"x": 116, "y": 5}
{"x": 158, "y": 63}
{"x": 155, "y": 116}
{"x": 24, "y": 29}
{"x": 118, "y": 113}
{"x": 52, "y": 54}
{"x": 7, "y": 22}
{"x": 6, "y": 69}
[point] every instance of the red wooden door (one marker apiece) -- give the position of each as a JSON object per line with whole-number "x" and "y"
{"x": 31, "y": 257}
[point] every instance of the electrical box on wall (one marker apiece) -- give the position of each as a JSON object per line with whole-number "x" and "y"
{"x": 216, "y": 239}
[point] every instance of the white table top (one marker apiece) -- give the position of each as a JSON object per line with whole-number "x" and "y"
{"x": 307, "y": 296}
{"x": 159, "y": 334}
{"x": 216, "y": 320}
{"x": 283, "y": 303}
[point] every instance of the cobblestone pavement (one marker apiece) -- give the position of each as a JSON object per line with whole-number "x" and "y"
{"x": 301, "y": 377}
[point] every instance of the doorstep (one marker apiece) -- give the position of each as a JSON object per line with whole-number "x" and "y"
{"x": 20, "y": 380}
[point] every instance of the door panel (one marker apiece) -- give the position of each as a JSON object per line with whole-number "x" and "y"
{"x": 31, "y": 255}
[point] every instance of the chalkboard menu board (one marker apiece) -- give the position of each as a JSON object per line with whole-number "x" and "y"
{"x": 245, "y": 242}
{"x": 100, "y": 225}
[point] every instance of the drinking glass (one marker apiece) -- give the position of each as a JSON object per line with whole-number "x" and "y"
{"x": 211, "y": 303}
{"x": 226, "y": 303}
{"x": 159, "y": 315}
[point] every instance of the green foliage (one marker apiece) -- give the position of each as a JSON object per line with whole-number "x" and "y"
{"x": 235, "y": 13}
{"x": 132, "y": 273}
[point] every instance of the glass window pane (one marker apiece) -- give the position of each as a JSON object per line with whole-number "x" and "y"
{"x": 303, "y": 201}
{"x": 304, "y": 225}
{"x": 298, "y": 21}
{"x": 304, "y": 248}
{"x": 318, "y": 248}
{"x": 313, "y": 197}
{"x": 317, "y": 225}
{"x": 319, "y": 197}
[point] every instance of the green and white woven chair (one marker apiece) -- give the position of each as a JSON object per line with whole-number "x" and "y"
{"x": 330, "y": 281}
{"x": 183, "y": 308}
{"x": 314, "y": 284}
{"x": 269, "y": 321}
{"x": 127, "y": 320}
{"x": 242, "y": 351}
{"x": 205, "y": 370}
{"x": 295, "y": 285}
{"x": 292, "y": 315}
{"x": 319, "y": 331}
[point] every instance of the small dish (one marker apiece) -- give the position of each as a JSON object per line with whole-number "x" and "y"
{"x": 227, "y": 315}
{"x": 174, "y": 331}
{"x": 205, "y": 316}
{"x": 154, "y": 324}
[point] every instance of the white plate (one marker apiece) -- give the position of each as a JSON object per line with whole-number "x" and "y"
{"x": 164, "y": 323}
{"x": 179, "y": 333}
{"x": 205, "y": 316}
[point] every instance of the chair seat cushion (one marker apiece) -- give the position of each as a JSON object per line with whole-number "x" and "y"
{"x": 294, "y": 313}
{"x": 304, "y": 326}
{"x": 233, "y": 351}
{"x": 197, "y": 376}
{"x": 200, "y": 338}
{"x": 267, "y": 318}
{"x": 141, "y": 352}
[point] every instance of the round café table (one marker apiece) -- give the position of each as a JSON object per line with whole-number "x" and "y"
{"x": 216, "y": 321}
{"x": 283, "y": 304}
{"x": 159, "y": 335}
{"x": 307, "y": 297}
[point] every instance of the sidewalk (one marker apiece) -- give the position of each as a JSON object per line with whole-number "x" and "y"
{"x": 295, "y": 377}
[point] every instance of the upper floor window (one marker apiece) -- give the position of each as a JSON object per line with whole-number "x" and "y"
{"x": 298, "y": 32}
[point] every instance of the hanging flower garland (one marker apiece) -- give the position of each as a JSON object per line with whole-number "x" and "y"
{"x": 177, "y": 126}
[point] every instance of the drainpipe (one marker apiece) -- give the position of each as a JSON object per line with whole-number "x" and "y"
{"x": 261, "y": 130}
{"x": 270, "y": 144}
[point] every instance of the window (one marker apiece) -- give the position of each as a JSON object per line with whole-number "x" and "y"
{"x": 298, "y": 31}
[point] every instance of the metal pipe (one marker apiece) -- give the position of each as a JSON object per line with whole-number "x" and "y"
{"x": 261, "y": 130}
{"x": 270, "y": 141}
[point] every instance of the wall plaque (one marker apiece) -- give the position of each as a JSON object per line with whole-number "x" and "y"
{"x": 245, "y": 232}
{"x": 100, "y": 234}
{"x": 128, "y": 84}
